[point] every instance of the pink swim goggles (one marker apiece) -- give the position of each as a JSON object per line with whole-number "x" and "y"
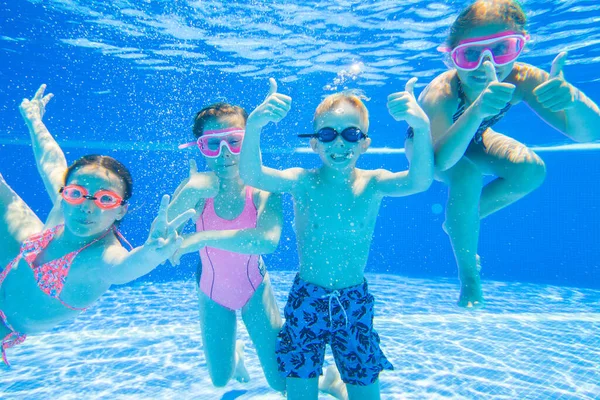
{"x": 501, "y": 48}
{"x": 211, "y": 142}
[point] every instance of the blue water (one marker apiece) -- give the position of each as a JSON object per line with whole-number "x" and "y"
{"x": 129, "y": 75}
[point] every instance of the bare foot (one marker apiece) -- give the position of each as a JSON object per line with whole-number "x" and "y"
{"x": 471, "y": 295}
{"x": 331, "y": 383}
{"x": 241, "y": 373}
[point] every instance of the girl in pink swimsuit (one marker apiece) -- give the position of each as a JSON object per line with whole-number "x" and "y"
{"x": 236, "y": 224}
{"x": 53, "y": 271}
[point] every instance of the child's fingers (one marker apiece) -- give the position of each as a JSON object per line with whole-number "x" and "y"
{"x": 180, "y": 220}
{"x": 490, "y": 71}
{"x": 272, "y": 86}
{"x": 47, "y": 98}
{"x": 547, "y": 89}
{"x": 283, "y": 98}
{"x": 279, "y": 101}
{"x": 558, "y": 64}
{"x": 193, "y": 167}
{"x": 410, "y": 86}
{"x": 40, "y": 92}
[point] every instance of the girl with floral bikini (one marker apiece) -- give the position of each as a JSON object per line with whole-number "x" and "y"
{"x": 54, "y": 271}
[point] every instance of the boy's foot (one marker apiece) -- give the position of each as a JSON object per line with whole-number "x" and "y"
{"x": 471, "y": 295}
{"x": 331, "y": 383}
{"x": 240, "y": 373}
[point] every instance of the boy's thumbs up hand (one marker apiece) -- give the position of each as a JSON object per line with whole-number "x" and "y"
{"x": 273, "y": 109}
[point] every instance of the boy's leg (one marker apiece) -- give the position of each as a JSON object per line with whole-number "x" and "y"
{"x": 370, "y": 392}
{"x": 17, "y": 223}
{"x": 263, "y": 321}
{"x": 302, "y": 389}
{"x": 218, "y": 330}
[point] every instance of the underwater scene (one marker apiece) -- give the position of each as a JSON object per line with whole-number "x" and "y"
{"x": 444, "y": 244}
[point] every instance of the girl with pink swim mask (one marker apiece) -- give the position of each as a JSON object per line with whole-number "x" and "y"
{"x": 235, "y": 224}
{"x": 484, "y": 81}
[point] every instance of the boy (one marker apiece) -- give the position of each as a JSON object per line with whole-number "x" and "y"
{"x": 335, "y": 209}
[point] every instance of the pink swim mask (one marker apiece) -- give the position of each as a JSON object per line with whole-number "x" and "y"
{"x": 501, "y": 48}
{"x": 211, "y": 142}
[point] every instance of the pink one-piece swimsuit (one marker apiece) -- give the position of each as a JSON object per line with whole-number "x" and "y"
{"x": 228, "y": 278}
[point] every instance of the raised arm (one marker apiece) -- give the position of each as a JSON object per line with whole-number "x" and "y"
{"x": 263, "y": 239}
{"x": 451, "y": 142}
{"x": 163, "y": 240}
{"x": 253, "y": 172}
{"x": 561, "y": 104}
{"x": 403, "y": 106}
{"x": 49, "y": 157}
{"x": 198, "y": 185}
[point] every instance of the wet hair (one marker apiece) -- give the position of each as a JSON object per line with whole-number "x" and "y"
{"x": 484, "y": 12}
{"x": 218, "y": 110}
{"x": 107, "y": 163}
{"x": 355, "y": 99}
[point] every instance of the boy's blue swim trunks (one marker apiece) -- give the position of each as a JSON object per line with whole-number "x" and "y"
{"x": 315, "y": 316}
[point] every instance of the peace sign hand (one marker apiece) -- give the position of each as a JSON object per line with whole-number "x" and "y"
{"x": 163, "y": 238}
{"x": 273, "y": 109}
{"x": 403, "y": 106}
{"x": 556, "y": 94}
{"x": 34, "y": 109}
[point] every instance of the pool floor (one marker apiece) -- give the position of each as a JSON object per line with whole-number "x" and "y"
{"x": 143, "y": 342}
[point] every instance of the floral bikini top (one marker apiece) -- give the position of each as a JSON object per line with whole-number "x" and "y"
{"x": 50, "y": 276}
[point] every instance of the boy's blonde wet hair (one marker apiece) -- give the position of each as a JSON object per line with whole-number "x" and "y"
{"x": 485, "y": 12}
{"x": 334, "y": 100}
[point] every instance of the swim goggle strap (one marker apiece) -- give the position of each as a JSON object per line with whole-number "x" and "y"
{"x": 211, "y": 142}
{"x": 327, "y": 134}
{"x": 501, "y": 48}
{"x": 104, "y": 199}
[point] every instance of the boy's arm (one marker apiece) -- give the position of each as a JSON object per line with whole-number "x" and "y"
{"x": 263, "y": 239}
{"x": 163, "y": 240}
{"x": 252, "y": 171}
{"x": 197, "y": 186}
{"x": 49, "y": 157}
{"x": 559, "y": 103}
{"x": 418, "y": 178}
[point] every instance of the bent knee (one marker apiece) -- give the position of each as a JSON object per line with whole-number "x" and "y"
{"x": 531, "y": 174}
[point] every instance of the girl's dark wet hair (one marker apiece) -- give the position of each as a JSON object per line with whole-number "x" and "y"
{"x": 105, "y": 162}
{"x": 218, "y": 110}
{"x": 484, "y": 12}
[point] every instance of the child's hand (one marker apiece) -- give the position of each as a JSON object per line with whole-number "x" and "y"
{"x": 184, "y": 249}
{"x": 495, "y": 96}
{"x": 273, "y": 109}
{"x": 403, "y": 106}
{"x": 556, "y": 94}
{"x": 33, "y": 110}
{"x": 163, "y": 239}
{"x": 206, "y": 183}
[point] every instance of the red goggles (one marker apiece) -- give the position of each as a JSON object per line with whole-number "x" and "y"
{"x": 212, "y": 142}
{"x": 501, "y": 48}
{"x": 104, "y": 199}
